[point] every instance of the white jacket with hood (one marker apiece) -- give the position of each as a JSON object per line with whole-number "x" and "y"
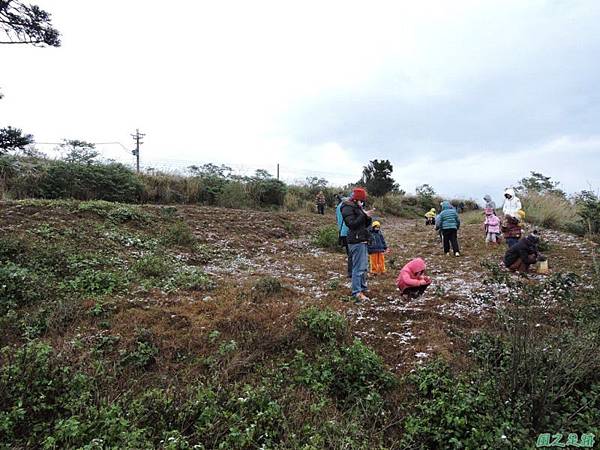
{"x": 510, "y": 207}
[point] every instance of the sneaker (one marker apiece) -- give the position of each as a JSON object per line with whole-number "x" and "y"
{"x": 447, "y": 254}
{"x": 360, "y": 297}
{"x": 457, "y": 254}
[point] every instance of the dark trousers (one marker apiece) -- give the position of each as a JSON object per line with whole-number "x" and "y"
{"x": 321, "y": 209}
{"x": 344, "y": 243}
{"x": 450, "y": 237}
{"x": 414, "y": 292}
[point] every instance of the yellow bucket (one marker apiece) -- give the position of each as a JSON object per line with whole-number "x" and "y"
{"x": 541, "y": 266}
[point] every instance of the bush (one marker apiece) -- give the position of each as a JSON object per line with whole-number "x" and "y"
{"x": 96, "y": 282}
{"x": 112, "y": 182}
{"x": 389, "y": 204}
{"x": 324, "y": 324}
{"x": 267, "y": 286}
{"x": 179, "y": 234}
{"x": 327, "y": 237}
{"x": 152, "y": 266}
{"x": 267, "y": 192}
{"x": 19, "y": 286}
{"x": 234, "y": 195}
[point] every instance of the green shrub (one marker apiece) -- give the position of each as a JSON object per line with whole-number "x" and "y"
{"x": 112, "y": 182}
{"x": 179, "y": 234}
{"x": 457, "y": 413}
{"x": 267, "y": 286}
{"x": 234, "y": 195}
{"x": 96, "y": 282}
{"x": 11, "y": 248}
{"x": 324, "y": 324}
{"x": 152, "y": 266}
{"x": 267, "y": 192}
{"x": 327, "y": 237}
{"x": 188, "y": 278}
{"x": 19, "y": 286}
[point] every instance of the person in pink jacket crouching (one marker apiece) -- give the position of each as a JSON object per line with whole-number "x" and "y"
{"x": 412, "y": 280}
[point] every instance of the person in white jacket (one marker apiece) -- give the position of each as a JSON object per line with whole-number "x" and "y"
{"x": 512, "y": 204}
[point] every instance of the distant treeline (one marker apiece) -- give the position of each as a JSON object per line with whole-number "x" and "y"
{"x": 87, "y": 179}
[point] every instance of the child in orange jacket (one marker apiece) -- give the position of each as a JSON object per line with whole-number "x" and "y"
{"x": 412, "y": 280}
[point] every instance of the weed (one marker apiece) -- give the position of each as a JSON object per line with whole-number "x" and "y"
{"x": 324, "y": 324}
{"x": 327, "y": 237}
{"x": 267, "y": 286}
{"x": 179, "y": 234}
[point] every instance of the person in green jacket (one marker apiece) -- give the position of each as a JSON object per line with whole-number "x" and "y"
{"x": 448, "y": 222}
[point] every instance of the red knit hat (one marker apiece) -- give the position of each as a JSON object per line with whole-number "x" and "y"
{"x": 359, "y": 194}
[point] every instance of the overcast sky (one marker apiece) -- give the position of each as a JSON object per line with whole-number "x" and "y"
{"x": 468, "y": 96}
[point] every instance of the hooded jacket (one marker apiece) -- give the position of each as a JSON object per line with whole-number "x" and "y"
{"x": 357, "y": 222}
{"x": 320, "y": 199}
{"x": 510, "y": 207}
{"x": 489, "y": 203}
{"x": 492, "y": 224}
{"x": 407, "y": 277}
{"x": 447, "y": 219}
{"x": 377, "y": 242}
{"x": 523, "y": 249}
{"x": 430, "y": 214}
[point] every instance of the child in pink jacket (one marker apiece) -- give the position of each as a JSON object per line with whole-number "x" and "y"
{"x": 412, "y": 280}
{"x": 491, "y": 225}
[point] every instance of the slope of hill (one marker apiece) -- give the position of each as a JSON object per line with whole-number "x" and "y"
{"x": 175, "y": 327}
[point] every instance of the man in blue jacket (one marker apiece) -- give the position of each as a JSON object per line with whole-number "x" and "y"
{"x": 448, "y": 222}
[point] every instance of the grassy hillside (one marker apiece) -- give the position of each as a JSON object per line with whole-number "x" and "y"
{"x": 192, "y": 327}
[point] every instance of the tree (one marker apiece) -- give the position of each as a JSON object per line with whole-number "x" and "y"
{"x": 210, "y": 170}
{"x": 316, "y": 184}
{"x": 377, "y": 178}
{"x": 26, "y": 24}
{"x": 78, "y": 152}
{"x": 425, "y": 194}
{"x": 540, "y": 184}
{"x": 13, "y": 139}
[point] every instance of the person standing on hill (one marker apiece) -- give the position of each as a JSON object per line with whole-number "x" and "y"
{"x": 491, "y": 225}
{"x": 511, "y": 204}
{"x": 377, "y": 248}
{"x": 448, "y": 222}
{"x": 321, "y": 202}
{"x": 489, "y": 203}
{"x": 358, "y": 221}
{"x": 343, "y": 231}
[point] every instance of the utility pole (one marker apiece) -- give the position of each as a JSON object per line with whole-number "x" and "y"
{"x": 136, "y": 137}
{"x": 278, "y": 171}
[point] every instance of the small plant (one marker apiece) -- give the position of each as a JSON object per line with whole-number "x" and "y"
{"x": 144, "y": 353}
{"x": 125, "y": 213}
{"x": 152, "y": 266}
{"x": 188, "y": 278}
{"x": 179, "y": 234}
{"x": 323, "y": 324}
{"x": 327, "y": 237}
{"x": 267, "y": 286}
{"x": 96, "y": 282}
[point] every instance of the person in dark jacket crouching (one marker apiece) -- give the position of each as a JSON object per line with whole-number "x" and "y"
{"x": 523, "y": 254}
{"x": 358, "y": 221}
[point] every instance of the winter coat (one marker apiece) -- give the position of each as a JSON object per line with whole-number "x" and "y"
{"x": 492, "y": 224}
{"x": 320, "y": 199}
{"x": 407, "y": 277}
{"x": 510, "y": 207}
{"x": 357, "y": 222}
{"x": 523, "y": 249}
{"x": 512, "y": 229}
{"x": 448, "y": 218}
{"x": 342, "y": 227}
{"x": 489, "y": 203}
{"x": 377, "y": 242}
{"x": 430, "y": 214}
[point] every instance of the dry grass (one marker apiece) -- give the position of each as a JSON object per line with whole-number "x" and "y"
{"x": 550, "y": 211}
